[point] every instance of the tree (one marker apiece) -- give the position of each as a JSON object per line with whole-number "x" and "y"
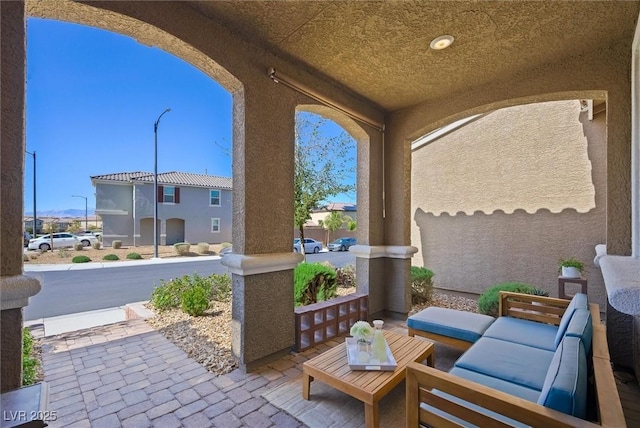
{"x": 324, "y": 165}
{"x": 334, "y": 221}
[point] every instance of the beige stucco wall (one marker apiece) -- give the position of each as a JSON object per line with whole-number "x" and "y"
{"x": 510, "y": 225}
{"x": 524, "y": 157}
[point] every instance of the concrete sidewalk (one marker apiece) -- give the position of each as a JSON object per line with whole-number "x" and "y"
{"x": 44, "y": 327}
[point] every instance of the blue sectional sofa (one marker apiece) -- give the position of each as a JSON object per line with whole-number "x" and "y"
{"x": 539, "y": 364}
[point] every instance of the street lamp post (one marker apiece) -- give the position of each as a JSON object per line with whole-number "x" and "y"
{"x": 34, "y": 191}
{"x": 155, "y": 185}
{"x": 86, "y": 217}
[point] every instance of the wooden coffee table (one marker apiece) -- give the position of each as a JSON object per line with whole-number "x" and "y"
{"x": 332, "y": 368}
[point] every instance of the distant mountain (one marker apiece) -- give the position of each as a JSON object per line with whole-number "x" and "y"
{"x": 71, "y": 212}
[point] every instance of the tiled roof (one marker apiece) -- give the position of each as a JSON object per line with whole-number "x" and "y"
{"x": 338, "y": 206}
{"x": 174, "y": 177}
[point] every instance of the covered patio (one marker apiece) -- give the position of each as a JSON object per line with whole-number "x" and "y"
{"x": 369, "y": 67}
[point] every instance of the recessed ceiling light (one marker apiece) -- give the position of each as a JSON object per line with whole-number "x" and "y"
{"x": 441, "y": 42}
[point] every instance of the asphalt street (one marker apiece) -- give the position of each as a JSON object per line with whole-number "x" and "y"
{"x": 69, "y": 291}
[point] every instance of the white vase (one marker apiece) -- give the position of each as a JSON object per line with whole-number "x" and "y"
{"x": 570, "y": 272}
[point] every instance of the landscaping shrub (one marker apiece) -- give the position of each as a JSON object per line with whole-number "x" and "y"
{"x": 225, "y": 245}
{"x": 195, "y": 299}
{"x": 220, "y": 287}
{"x": 116, "y": 244}
{"x": 421, "y": 284}
{"x": 78, "y": 246}
{"x": 203, "y": 247}
{"x": 346, "y": 276}
{"x": 25, "y": 257}
{"x": 96, "y": 245}
{"x": 182, "y": 248}
{"x": 187, "y": 292}
{"x": 488, "y": 302}
{"x": 63, "y": 253}
{"x": 313, "y": 282}
{"x": 111, "y": 257}
{"x": 29, "y": 362}
{"x": 80, "y": 259}
{"x": 134, "y": 256}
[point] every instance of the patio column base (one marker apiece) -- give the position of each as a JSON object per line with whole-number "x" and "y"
{"x": 14, "y": 295}
{"x": 263, "y": 322}
{"x": 384, "y": 273}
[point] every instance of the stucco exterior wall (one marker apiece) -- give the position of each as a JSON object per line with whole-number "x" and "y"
{"x": 524, "y": 228}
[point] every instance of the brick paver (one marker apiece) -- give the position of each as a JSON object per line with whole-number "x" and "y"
{"x": 129, "y": 375}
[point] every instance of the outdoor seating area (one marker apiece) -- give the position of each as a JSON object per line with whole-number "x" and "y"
{"x": 532, "y": 366}
{"x": 128, "y": 374}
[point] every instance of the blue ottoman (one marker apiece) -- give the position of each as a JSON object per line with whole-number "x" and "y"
{"x": 457, "y": 328}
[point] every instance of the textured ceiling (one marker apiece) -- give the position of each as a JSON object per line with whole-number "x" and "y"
{"x": 380, "y": 49}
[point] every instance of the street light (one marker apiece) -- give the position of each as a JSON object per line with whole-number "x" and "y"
{"x": 34, "y": 191}
{"x": 155, "y": 185}
{"x": 86, "y": 217}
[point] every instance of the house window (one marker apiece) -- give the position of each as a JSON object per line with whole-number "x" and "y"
{"x": 169, "y": 194}
{"x": 214, "y": 198}
{"x": 215, "y": 225}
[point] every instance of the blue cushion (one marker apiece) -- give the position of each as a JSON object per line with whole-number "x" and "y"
{"x": 565, "y": 386}
{"x": 579, "y": 301}
{"x": 463, "y": 325}
{"x": 581, "y": 326}
{"x": 525, "y": 332}
{"x": 520, "y": 364}
{"x": 499, "y": 384}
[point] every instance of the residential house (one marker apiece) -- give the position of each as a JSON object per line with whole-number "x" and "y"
{"x": 27, "y": 224}
{"x": 191, "y": 207}
{"x": 313, "y": 228}
{"x": 368, "y": 66}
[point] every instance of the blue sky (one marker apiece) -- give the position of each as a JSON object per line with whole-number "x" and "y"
{"x": 92, "y": 99}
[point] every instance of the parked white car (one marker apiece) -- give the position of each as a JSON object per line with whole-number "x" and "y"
{"x": 60, "y": 240}
{"x": 310, "y": 245}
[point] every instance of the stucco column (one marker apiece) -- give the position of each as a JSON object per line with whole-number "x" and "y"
{"x": 262, "y": 264}
{"x": 383, "y": 254}
{"x": 15, "y": 289}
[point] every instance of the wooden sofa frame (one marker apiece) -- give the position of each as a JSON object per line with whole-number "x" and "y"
{"x": 421, "y": 379}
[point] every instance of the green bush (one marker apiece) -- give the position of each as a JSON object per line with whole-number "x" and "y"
{"x": 421, "y": 285}
{"x": 29, "y": 362}
{"x": 220, "y": 287}
{"x": 96, "y": 245}
{"x": 182, "y": 248}
{"x": 195, "y": 299}
{"x": 116, "y": 244}
{"x": 203, "y": 247}
{"x": 225, "y": 245}
{"x": 78, "y": 246}
{"x": 489, "y": 301}
{"x": 112, "y": 257}
{"x": 134, "y": 256}
{"x": 313, "y": 282}
{"x": 172, "y": 294}
{"x": 346, "y": 276}
{"x": 80, "y": 259}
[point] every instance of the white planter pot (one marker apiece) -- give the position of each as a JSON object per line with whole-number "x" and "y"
{"x": 570, "y": 272}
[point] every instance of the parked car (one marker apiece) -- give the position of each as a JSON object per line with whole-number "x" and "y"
{"x": 95, "y": 233}
{"x": 310, "y": 245}
{"x": 60, "y": 240}
{"x": 341, "y": 244}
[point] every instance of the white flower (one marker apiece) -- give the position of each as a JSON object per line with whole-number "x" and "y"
{"x": 362, "y": 329}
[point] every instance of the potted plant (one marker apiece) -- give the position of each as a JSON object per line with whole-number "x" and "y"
{"x": 571, "y": 268}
